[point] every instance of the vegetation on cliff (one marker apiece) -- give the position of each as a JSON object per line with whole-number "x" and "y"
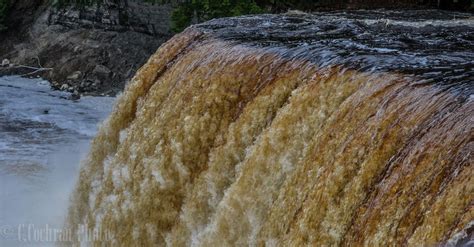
{"x": 202, "y": 10}
{"x": 3, "y": 12}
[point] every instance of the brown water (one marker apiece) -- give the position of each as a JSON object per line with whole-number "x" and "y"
{"x": 223, "y": 141}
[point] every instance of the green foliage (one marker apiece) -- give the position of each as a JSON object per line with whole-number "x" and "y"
{"x": 192, "y": 11}
{"x": 4, "y": 4}
{"x": 183, "y": 15}
{"x": 201, "y": 10}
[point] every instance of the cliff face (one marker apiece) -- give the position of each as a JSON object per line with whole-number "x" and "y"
{"x": 132, "y": 15}
{"x": 92, "y": 50}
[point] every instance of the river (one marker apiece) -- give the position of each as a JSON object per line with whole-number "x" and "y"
{"x": 43, "y": 137}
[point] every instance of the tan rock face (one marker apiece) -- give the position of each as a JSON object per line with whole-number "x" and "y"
{"x": 236, "y": 134}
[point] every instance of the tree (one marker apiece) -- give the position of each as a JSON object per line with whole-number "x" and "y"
{"x": 3, "y": 13}
{"x": 191, "y": 11}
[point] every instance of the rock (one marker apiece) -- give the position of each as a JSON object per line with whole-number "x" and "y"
{"x": 74, "y": 76}
{"x": 77, "y": 49}
{"x": 101, "y": 70}
{"x": 151, "y": 19}
{"x": 64, "y": 87}
{"x": 75, "y": 95}
{"x": 101, "y": 74}
{"x": 5, "y": 62}
{"x": 95, "y": 83}
{"x": 55, "y": 85}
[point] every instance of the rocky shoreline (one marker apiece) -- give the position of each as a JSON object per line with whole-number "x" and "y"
{"x": 88, "y": 51}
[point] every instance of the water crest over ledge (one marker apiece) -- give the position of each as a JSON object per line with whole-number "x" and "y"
{"x": 331, "y": 129}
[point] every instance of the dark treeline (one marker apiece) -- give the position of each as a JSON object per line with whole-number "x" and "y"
{"x": 3, "y": 12}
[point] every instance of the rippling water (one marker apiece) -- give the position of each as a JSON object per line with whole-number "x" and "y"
{"x": 43, "y": 137}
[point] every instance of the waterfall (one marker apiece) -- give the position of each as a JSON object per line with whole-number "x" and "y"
{"x": 289, "y": 130}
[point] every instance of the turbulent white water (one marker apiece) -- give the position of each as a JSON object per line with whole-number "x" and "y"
{"x": 43, "y": 137}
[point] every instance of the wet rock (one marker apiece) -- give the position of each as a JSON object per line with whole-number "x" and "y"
{"x": 75, "y": 96}
{"x": 55, "y": 85}
{"x": 64, "y": 87}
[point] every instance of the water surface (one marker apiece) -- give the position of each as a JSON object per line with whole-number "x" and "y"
{"x": 43, "y": 137}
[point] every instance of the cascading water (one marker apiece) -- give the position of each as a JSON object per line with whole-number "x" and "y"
{"x": 285, "y": 130}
